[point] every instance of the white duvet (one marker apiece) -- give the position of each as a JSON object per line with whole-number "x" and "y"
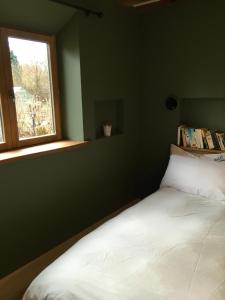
{"x": 170, "y": 246}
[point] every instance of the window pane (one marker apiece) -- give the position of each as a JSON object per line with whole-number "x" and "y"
{"x": 32, "y": 88}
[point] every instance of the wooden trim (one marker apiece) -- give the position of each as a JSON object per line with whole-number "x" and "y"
{"x": 203, "y": 151}
{"x": 24, "y": 29}
{"x": 14, "y": 285}
{"x": 12, "y": 119}
{"x": 37, "y": 140}
{"x": 7, "y": 124}
{"x": 40, "y": 150}
{"x": 27, "y": 35}
{"x": 55, "y": 87}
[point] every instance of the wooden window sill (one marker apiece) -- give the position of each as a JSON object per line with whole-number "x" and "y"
{"x": 37, "y": 151}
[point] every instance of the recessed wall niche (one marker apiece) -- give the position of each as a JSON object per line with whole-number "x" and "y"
{"x": 109, "y": 111}
{"x": 203, "y": 112}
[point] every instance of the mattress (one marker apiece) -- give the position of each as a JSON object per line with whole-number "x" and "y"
{"x": 170, "y": 246}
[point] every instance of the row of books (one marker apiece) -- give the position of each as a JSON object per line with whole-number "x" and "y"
{"x": 200, "y": 138}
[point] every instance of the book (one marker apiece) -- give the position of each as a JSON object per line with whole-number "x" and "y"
{"x": 215, "y": 139}
{"x": 192, "y": 138}
{"x": 205, "y": 143}
{"x": 184, "y": 142}
{"x": 179, "y": 135}
{"x": 199, "y": 138}
{"x": 187, "y": 136}
{"x": 209, "y": 140}
{"x": 220, "y": 137}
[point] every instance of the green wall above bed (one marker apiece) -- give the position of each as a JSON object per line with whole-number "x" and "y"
{"x": 203, "y": 112}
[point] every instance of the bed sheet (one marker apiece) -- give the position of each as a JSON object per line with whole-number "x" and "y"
{"x": 170, "y": 246}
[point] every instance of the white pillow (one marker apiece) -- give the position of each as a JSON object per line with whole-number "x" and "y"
{"x": 196, "y": 176}
{"x": 216, "y": 157}
{"x": 178, "y": 151}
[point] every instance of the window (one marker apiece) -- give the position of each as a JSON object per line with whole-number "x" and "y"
{"x": 29, "y": 96}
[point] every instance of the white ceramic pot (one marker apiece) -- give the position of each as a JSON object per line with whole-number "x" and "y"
{"x": 107, "y": 130}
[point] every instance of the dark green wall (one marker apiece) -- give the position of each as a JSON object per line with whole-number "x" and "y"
{"x": 203, "y": 112}
{"x": 68, "y": 45}
{"x": 48, "y": 199}
{"x": 110, "y": 54}
{"x": 183, "y": 54}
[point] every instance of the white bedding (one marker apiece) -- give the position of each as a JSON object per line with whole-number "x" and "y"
{"x": 170, "y": 246}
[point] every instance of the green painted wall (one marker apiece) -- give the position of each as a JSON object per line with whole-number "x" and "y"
{"x": 110, "y": 55}
{"x": 183, "y": 48}
{"x": 46, "y": 200}
{"x": 203, "y": 112}
{"x": 68, "y": 46}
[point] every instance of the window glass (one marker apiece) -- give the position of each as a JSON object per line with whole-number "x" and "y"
{"x": 32, "y": 87}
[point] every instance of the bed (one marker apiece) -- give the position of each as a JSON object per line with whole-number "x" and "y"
{"x": 169, "y": 246}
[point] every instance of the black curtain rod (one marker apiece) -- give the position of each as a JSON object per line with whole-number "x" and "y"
{"x": 87, "y": 11}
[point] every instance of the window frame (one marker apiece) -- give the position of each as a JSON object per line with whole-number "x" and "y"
{"x": 10, "y": 128}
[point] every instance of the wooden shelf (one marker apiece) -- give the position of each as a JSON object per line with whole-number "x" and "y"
{"x": 203, "y": 151}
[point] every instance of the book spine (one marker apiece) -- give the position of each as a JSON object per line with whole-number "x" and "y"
{"x": 198, "y": 145}
{"x": 220, "y": 140}
{"x": 215, "y": 140}
{"x": 205, "y": 143}
{"x": 209, "y": 140}
{"x": 183, "y": 137}
{"x": 187, "y": 136}
{"x": 179, "y": 135}
{"x": 201, "y": 138}
{"x": 192, "y": 138}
